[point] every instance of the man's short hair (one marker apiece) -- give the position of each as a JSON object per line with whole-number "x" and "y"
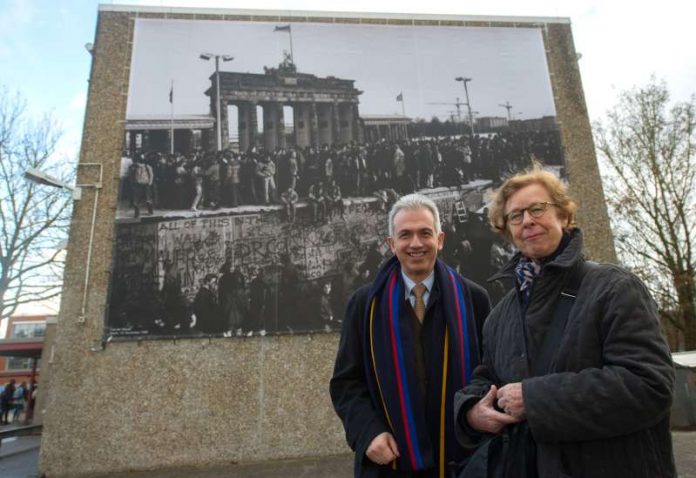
{"x": 411, "y": 202}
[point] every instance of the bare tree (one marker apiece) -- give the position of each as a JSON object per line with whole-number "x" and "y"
{"x": 33, "y": 218}
{"x": 650, "y": 180}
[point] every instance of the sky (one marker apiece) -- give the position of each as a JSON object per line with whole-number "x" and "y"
{"x": 622, "y": 43}
{"x": 507, "y": 65}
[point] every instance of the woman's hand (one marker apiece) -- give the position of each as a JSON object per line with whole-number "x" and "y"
{"x": 483, "y": 416}
{"x": 511, "y": 401}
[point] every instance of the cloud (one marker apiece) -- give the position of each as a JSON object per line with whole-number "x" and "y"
{"x": 71, "y": 136}
{"x": 16, "y": 18}
{"x": 15, "y": 15}
{"x": 78, "y": 103}
{"x": 621, "y": 52}
{"x": 492, "y": 7}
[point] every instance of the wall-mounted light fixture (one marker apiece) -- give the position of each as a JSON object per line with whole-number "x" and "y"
{"x": 40, "y": 177}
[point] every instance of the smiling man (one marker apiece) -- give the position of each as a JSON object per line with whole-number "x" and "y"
{"x": 409, "y": 341}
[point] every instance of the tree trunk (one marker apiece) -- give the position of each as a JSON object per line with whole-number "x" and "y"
{"x": 685, "y": 283}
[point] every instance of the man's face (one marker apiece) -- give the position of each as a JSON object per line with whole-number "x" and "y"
{"x": 212, "y": 285}
{"x": 415, "y": 242}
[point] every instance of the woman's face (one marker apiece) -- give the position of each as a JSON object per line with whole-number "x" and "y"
{"x": 536, "y": 237}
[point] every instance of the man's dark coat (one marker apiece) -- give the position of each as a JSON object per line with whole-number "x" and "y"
{"x": 363, "y": 419}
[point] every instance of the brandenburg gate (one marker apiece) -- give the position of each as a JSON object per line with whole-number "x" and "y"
{"x": 325, "y": 110}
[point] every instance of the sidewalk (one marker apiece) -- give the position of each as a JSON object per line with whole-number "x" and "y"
{"x": 13, "y": 446}
{"x": 339, "y": 466}
{"x": 19, "y": 444}
{"x": 685, "y": 453}
{"x": 19, "y": 457}
{"x": 23, "y": 464}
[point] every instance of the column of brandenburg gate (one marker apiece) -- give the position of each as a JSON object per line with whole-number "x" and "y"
{"x": 325, "y": 110}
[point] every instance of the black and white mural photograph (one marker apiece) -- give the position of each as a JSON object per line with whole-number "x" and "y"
{"x": 260, "y": 160}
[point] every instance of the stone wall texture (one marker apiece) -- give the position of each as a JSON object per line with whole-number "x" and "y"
{"x": 162, "y": 403}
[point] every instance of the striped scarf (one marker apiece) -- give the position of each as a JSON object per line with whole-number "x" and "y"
{"x": 424, "y": 432}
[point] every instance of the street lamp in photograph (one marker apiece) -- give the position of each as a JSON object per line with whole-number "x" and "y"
{"x": 209, "y": 56}
{"x": 508, "y": 108}
{"x": 468, "y": 101}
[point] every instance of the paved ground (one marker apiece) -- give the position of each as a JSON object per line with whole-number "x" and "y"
{"x": 18, "y": 459}
{"x": 340, "y": 466}
{"x": 685, "y": 453}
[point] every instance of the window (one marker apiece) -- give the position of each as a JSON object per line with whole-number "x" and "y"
{"x": 20, "y": 363}
{"x": 23, "y": 330}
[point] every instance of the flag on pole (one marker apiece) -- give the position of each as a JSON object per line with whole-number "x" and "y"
{"x": 286, "y": 28}
{"x": 171, "y": 118}
{"x": 400, "y": 97}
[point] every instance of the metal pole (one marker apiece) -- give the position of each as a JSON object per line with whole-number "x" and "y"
{"x": 171, "y": 119}
{"x": 81, "y": 319}
{"x": 468, "y": 105}
{"x": 217, "y": 100}
{"x": 459, "y": 115}
{"x": 292, "y": 53}
{"x": 29, "y": 414}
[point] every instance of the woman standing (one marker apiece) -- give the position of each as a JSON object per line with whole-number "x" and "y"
{"x": 576, "y": 378}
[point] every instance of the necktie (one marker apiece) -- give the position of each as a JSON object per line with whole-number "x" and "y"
{"x": 419, "y": 306}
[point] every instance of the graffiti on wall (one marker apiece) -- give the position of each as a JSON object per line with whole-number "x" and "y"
{"x": 162, "y": 266}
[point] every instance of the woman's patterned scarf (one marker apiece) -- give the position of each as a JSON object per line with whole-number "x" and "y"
{"x": 526, "y": 271}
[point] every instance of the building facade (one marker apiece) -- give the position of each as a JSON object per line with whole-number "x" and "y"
{"x": 183, "y": 134}
{"x": 230, "y": 399}
{"x": 385, "y": 127}
{"x": 21, "y": 348}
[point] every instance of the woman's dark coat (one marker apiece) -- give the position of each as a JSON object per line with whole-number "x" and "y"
{"x": 604, "y": 410}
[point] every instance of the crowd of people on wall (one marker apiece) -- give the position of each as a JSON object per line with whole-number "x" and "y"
{"x": 323, "y": 176}
{"x": 16, "y": 399}
{"x": 255, "y": 300}
{"x": 264, "y": 299}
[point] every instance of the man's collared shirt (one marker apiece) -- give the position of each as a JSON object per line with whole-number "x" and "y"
{"x": 409, "y": 285}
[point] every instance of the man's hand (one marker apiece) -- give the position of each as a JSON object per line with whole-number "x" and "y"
{"x": 383, "y": 449}
{"x": 483, "y": 417}
{"x": 511, "y": 401}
